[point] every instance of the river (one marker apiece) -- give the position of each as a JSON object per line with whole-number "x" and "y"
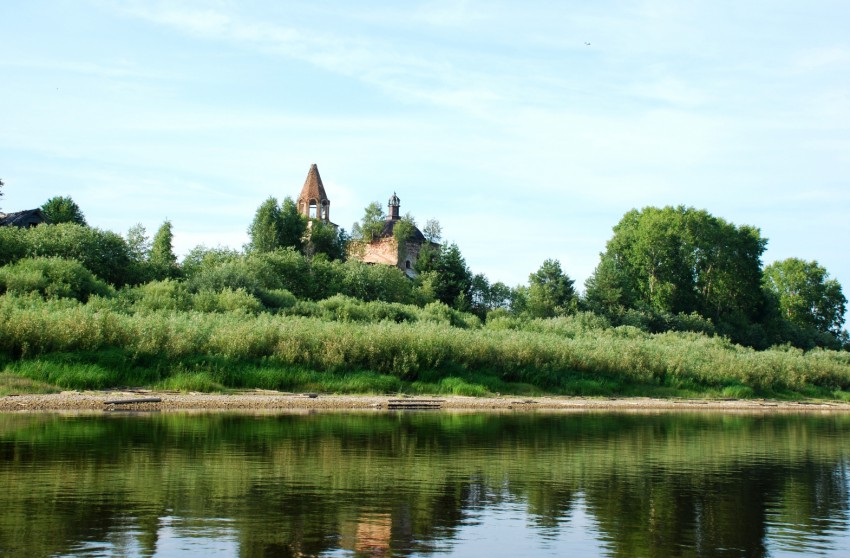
{"x": 424, "y": 484}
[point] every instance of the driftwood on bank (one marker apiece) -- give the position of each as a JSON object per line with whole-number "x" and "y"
{"x": 132, "y": 401}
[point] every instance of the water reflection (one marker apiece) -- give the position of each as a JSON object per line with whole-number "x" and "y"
{"x": 424, "y": 484}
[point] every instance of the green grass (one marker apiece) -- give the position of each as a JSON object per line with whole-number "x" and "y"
{"x": 12, "y": 384}
{"x": 76, "y": 346}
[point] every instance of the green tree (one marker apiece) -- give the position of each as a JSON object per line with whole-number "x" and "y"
{"x": 266, "y": 229}
{"x": 479, "y": 295}
{"x": 104, "y": 253}
{"x": 603, "y": 290}
{"x": 293, "y": 225}
{"x": 162, "y": 258}
{"x": 61, "y": 209}
{"x": 325, "y": 239}
{"x": 551, "y": 291}
{"x": 403, "y": 232}
{"x": 369, "y": 228}
{"x": 452, "y": 282}
{"x": 682, "y": 260}
{"x": 806, "y": 295}
{"x": 138, "y": 243}
{"x": 433, "y": 232}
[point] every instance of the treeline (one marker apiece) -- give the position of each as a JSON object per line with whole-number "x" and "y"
{"x": 667, "y": 269}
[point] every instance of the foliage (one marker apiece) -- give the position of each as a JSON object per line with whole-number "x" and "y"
{"x": 681, "y": 260}
{"x": 403, "y": 231}
{"x": 138, "y": 243}
{"x": 60, "y": 209}
{"x": 162, "y": 258}
{"x": 51, "y": 277}
{"x": 325, "y": 240}
{"x": 445, "y": 272}
{"x": 265, "y": 230}
{"x": 550, "y": 354}
{"x": 293, "y": 225}
{"x": 551, "y": 292}
{"x": 807, "y": 297}
{"x": 433, "y": 232}
{"x": 370, "y": 226}
{"x": 104, "y": 253}
{"x": 200, "y": 258}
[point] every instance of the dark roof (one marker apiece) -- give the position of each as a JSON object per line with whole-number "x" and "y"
{"x": 23, "y": 219}
{"x": 389, "y": 225}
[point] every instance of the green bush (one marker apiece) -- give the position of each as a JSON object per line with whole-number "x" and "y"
{"x": 104, "y": 253}
{"x": 228, "y": 300}
{"x": 169, "y": 294}
{"x": 51, "y": 278}
{"x": 277, "y": 299}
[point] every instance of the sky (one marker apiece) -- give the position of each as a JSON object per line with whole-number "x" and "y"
{"x": 527, "y": 129}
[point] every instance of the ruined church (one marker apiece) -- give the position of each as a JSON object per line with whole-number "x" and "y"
{"x": 313, "y": 203}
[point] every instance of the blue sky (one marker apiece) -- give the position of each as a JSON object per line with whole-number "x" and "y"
{"x": 496, "y": 118}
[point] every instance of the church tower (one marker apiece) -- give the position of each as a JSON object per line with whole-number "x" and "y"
{"x": 313, "y": 202}
{"x": 393, "y": 205}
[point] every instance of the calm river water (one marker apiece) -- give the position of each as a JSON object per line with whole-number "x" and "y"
{"x": 421, "y": 484}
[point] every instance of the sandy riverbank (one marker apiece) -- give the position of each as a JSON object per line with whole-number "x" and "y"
{"x": 271, "y": 401}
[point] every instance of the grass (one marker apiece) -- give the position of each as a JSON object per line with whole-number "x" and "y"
{"x": 12, "y": 384}
{"x": 71, "y": 345}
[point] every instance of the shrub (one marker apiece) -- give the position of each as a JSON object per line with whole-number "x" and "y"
{"x": 277, "y": 299}
{"x": 232, "y": 275}
{"x": 51, "y": 278}
{"x": 104, "y": 253}
{"x": 169, "y": 294}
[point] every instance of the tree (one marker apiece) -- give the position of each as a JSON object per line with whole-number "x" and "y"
{"x": 104, "y": 253}
{"x": 479, "y": 295}
{"x": 61, "y": 209}
{"x": 551, "y": 291}
{"x": 1, "y": 188}
{"x": 452, "y": 279}
{"x": 325, "y": 239}
{"x": 681, "y": 260}
{"x": 806, "y": 295}
{"x": 162, "y": 257}
{"x": 370, "y": 226}
{"x": 403, "y": 231}
{"x": 266, "y": 229}
{"x": 293, "y": 225}
{"x": 433, "y": 231}
{"x": 138, "y": 243}
{"x": 603, "y": 290}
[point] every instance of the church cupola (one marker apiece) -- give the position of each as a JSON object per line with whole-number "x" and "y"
{"x": 394, "y": 204}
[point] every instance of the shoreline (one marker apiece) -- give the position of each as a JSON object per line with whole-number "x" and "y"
{"x": 270, "y": 401}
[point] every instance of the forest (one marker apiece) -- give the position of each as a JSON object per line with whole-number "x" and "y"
{"x": 680, "y": 304}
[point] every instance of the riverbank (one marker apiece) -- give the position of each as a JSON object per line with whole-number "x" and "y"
{"x": 262, "y": 400}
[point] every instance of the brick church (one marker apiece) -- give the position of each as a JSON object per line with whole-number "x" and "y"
{"x": 313, "y": 203}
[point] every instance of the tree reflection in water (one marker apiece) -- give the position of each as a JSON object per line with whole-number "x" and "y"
{"x": 417, "y": 484}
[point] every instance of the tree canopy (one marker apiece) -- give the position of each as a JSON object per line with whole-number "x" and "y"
{"x": 61, "y": 209}
{"x": 162, "y": 257}
{"x": 370, "y": 226}
{"x": 806, "y": 295}
{"x": 681, "y": 260}
{"x": 449, "y": 277}
{"x": 551, "y": 291}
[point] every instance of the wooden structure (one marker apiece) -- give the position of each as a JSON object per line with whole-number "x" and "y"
{"x": 414, "y": 404}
